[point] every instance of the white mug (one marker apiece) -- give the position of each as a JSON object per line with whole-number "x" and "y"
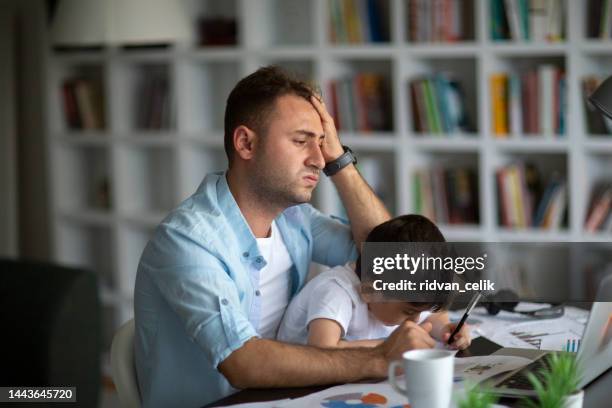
{"x": 428, "y": 377}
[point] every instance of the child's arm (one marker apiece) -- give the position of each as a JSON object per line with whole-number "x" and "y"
{"x": 327, "y": 333}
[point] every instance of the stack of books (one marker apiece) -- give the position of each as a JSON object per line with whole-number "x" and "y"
{"x": 534, "y": 102}
{"x": 596, "y": 123}
{"x": 447, "y": 195}
{"x": 359, "y": 21}
{"x": 525, "y": 202}
{"x": 599, "y": 214}
{"x": 599, "y": 19}
{"x": 438, "y": 105}
{"x": 361, "y": 103}
{"x": 155, "y": 108}
{"x": 83, "y": 104}
{"x": 527, "y": 20}
{"x": 440, "y": 20}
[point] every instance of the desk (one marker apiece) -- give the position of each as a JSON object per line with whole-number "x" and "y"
{"x": 597, "y": 393}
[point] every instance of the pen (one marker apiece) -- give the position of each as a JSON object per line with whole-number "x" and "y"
{"x": 470, "y": 306}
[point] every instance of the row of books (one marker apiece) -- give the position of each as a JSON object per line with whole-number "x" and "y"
{"x": 440, "y": 20}
{"x": 527, "y": 20}
{"x": 154, "y": 107}
{"x": 83, "y": 104}
{"x": 596, "y": 123}
{"x": 438, "y": 105}
{"x": 361, "y": 103}
{"x": 599, "y": 19}
{"x": 525, "y": 201}
{"x": 359, "y": 21}
{"x": 447, "y": 195}
{"x": 599, "y": 214}
{"x": 532, "y": 102}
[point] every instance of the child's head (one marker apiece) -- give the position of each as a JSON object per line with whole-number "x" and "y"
{"x": 405, "y": 228}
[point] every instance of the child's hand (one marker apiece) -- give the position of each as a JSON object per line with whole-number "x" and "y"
{"x": 463, "y": 339}
{"x": 407, "y": 336}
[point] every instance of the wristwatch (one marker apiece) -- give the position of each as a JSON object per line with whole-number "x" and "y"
{"x": 341, "y": 162}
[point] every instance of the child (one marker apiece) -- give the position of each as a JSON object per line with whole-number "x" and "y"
{"x": 331, "y": 312}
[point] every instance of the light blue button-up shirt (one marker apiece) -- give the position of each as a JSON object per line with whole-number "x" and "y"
{"x": 197, "y": 295}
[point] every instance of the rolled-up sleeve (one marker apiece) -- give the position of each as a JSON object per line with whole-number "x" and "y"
{"x": 332, "y": 239}
{"x": 196, "y": 285}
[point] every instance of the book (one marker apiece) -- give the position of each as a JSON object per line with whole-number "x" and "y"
{"x": 438, "y": 105}
{"x": 83, "y": 103}
{"x": 499, "y": 21}
{"x": 514, "y": 20}
{"x": 523, "y": 202}
{"x": 71, "y": 113}
{"x": 546, "y": 82}
{"x": 499, "y": 103}
{"x": 424, "y": 195}
{"x": 531, "y": 102}
{"x": 599, "y": 207}
{"x": 605, "y": 25}
{"x": 555, "y": 18}
{"x": 553, "y": 217}
{"x": 84, "y": 94}
{"x": 537, "y": 20}
{"x": 418, "y": 108}
{"x": 516, "y": 105}
{"x": 358, "y": 21}
{"x": 361, "y": 102}
{"x": 438, "y": 20}
{"x": 593, "y": 22}
{"x": 447, "y": 195}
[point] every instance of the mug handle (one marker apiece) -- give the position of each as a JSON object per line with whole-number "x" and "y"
{"x": 392, "y": 378}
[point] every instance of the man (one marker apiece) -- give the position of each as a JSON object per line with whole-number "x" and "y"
{"x": 215, "y": 279}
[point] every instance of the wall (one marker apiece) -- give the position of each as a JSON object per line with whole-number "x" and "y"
{"x": 24, "y": 216}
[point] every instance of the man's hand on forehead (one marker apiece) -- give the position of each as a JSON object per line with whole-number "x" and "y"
{"x": 332, "y": 148}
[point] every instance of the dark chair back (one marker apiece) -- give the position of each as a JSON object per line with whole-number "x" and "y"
{"x": 50, "y": 320}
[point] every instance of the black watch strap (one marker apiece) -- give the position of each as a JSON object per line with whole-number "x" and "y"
{"x": 341, "y": 162}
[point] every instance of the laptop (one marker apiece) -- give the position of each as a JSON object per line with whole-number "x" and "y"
{"x": 594, "y": 355}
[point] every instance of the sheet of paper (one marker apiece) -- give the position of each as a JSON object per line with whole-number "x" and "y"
{"x": 266, "y": 404}
{"x": 515, "y": 330}
{"x": 359, "y": 396}
{"x": 549, "y": 334}
{"x": 353, "y": 396}
{"x": 477, "y": 369}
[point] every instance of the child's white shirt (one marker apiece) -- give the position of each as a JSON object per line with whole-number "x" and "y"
{"x": 333, "y": 294}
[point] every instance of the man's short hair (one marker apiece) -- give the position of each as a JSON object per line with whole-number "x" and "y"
{"x": 252, "y": 100}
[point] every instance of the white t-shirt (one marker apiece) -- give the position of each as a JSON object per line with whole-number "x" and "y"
{"x": 274, "y": 282}
{"x": 334, "y": 294}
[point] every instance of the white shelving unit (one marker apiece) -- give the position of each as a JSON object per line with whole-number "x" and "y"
{"x": 149, "y": 172}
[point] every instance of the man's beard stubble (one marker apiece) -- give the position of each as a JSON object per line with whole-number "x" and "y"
{"x": 272, "y": 186}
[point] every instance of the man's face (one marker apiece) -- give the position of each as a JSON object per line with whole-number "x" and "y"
{"x": 288, "y": 161}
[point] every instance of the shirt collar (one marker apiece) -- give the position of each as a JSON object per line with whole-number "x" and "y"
{"x": 228, "y": 206}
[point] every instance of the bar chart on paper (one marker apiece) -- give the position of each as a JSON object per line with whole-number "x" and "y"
{"x": 547, "y": 335}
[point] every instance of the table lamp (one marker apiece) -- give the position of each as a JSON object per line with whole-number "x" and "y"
{"x": 602, "y": 98}
{"x": 119, "y": 22}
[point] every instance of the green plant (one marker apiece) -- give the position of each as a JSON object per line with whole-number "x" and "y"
{"x": 476, "y": 397}
{"x": 556, "y": 382}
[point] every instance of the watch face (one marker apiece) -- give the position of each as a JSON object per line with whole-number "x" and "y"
{"x": 348, "y": 150}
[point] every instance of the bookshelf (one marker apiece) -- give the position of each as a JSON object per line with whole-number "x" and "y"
{"x": 111, "y": 186}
